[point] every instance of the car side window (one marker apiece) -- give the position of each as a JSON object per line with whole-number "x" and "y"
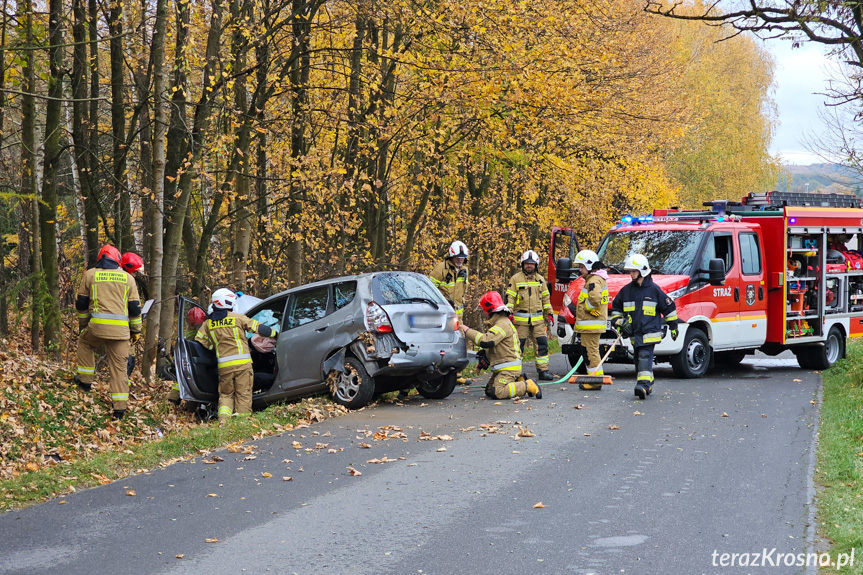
{"x": 750, "y": 254}
{"x": 719, "y": 246}
{"x": 343, "y": 293}
{"x": 308, "y": 306}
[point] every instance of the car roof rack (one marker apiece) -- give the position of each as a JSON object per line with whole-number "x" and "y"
{"x": 776, "y": 199}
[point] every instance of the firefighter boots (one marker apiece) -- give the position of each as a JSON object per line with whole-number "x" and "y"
{"x": 544, "y": 375}
{"x": 118, "y": 413}
{"x": 533, "y": 390}
{"x": 642, "y": 390}
{"x": 82, "y": 385}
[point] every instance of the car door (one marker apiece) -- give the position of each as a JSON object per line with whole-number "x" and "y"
{"x": 306, "y": 337}
{"x": 194, "y": 365}
{"x": 752, "y": 304}
{"x": 720, "y": 305}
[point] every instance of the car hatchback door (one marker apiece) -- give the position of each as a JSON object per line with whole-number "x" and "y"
{"x": 306, "y": 338}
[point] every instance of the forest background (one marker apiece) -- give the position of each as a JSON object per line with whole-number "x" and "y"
{"x": 258, "y": 144}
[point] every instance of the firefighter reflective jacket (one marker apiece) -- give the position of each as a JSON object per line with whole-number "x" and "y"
{"x": 591, "y": 309}
{"x": 225, "y": 332}
{"x": 500, "y": 342}
{"x": 641, "y": 306}
{"x": 108, "y": 301}
{"x": 452, "y": 283}
{"x": 528, "y": 295}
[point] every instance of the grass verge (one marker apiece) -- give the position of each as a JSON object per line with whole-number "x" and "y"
{"x": 840, "y": 459}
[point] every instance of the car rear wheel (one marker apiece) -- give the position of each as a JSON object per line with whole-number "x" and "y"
{"x": 439, "y": 388}
{"x": 694, "y": 359}
{"x": 354, "y": 388}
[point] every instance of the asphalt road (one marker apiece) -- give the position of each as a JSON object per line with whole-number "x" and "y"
{"x": 722, "y": 464}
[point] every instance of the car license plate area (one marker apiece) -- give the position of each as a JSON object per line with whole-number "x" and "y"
{"x": 424, "y": 321}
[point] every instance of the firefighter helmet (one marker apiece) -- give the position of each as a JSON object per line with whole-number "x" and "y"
{"x": 637, "y": 262}
{"x": 110, "y": 252}
{"x": 132, "y": 262}
{"x": 457, "y": 250}
{"x": 223, "y": 298}
{"x": 491, "y": 302}
{"x": 196, "y": 316}
{"x": 529, "y": 257}
{"x": 587, "y": 258}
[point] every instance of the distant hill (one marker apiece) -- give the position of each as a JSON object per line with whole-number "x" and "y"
{"x": 824, "y": 178}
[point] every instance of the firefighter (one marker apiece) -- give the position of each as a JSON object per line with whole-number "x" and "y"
{"x": 502, "y": 351}
{"x": 528, "y": 296}
{"x": 591, "y": 311}
{"x": 637, "y": 313}
{"x": 132, "y": 263}
{"x": 109, "y": 314}
{"x": 224, "y": 332}
{"x": 450, "y": 277}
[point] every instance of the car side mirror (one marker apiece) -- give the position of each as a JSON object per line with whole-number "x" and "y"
{"x": 716, "y": 272}
{"x": 563, "y": 270}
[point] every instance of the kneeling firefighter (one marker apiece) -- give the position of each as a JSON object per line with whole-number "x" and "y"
{"x": 528, "y": 295}
{"x": 224, "y": 332}
{"x": 637, "y": 312}
{"x": 501, "y": 347}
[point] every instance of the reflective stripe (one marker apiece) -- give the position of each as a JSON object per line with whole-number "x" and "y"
{"x": 652, "y": 337}
{"x": 545, "y": 292}
{"x": 234, "y": 359}
{"x": 616, "y": 314}
{"x": 478, "y": 338}
{"x": 120, "y": 397}
{"x": 528, "y": 284}
{"x": 507, "y": 365}
{"x": 672, "y": 317}
{"x": 135, "y": 321}
{"x": 588, "y": 305}
{"x": 435, "y": 282}
{"x": 510, "y": 292}
{"x": 649, "y": 308}
{"x": 225, "y": 410}
{"x": 644, "y": 376}
{"x": 175, "y": 386}
{"x": 109, "y": 321}
{"x": 590, "y": 324}
{"x": 496, "y": 329}
{"x": 527, "y": 315}
{"x": 82, "y": 369}
{"x": 83, "y": 315}
{"x": 254, "y": 326}
{"x": 110, "y": 316}
{"x": 596, "y": 371}
{"x": 629, "y": 306}
{"x": 511, "y": 387}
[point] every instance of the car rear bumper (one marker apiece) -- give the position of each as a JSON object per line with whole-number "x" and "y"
{"x": 429, "y": 362}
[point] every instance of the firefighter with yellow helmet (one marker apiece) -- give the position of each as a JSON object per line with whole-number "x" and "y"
{"x": 450, "y": 276}
{"x": 500, "y": 351}
{"x": 591, "y": 311}
{"x": 225, "y": 332}
{"x": 529, "y": 297}
{"x": 109, "y": 314}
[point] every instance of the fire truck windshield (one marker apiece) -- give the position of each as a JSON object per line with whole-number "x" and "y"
{"x": 670, "y": 252}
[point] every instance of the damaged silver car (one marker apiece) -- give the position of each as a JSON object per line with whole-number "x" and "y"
{"x": 354, "y": 337}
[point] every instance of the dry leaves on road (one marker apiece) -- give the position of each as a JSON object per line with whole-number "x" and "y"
{"x": 614, "y": 426}
{"x": 539, "y": 506}
{"x": 637, "y": 413}
{"x": 214, "y": 459}
{"x": 724, "y": 414}
{"x": 265, "y": 474}
{"x": 365, "y": 445}
{"x": 579, "y": 406}
{"x": 212, "y": 494}
{"x": 131, "y": 493}
{"x": 440, "y": 449}
{"x": 525, "y": 432}
{"x": 382, "y": 460}
{"x": 211, "y": 540}
{"x": 354, "y": 472}
{"x": 179, "y": 555}
{"x": 297, "y": 445}
{"x": 425, "y": 436}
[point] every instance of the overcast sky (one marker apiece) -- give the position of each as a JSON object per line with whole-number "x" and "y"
{"x": 800, "y": 74}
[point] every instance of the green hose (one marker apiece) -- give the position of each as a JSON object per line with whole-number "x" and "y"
{"x": 558, "y": 382}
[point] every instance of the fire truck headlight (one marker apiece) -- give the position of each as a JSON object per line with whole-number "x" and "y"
{"x": 677, "y": 293}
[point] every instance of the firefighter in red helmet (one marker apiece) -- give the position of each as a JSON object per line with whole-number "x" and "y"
{"x": 109, "y": 314}
{"x": 502, "y": 350}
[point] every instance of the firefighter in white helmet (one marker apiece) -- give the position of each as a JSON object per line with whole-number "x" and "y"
{"x": 529, "y": 297}
{"x": 450, "y": 277}
{"x": 639, "y": 312}
{"x": 591, "y": 311}
{"x": 225, "y": 332}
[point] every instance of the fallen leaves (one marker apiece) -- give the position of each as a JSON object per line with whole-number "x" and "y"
{"x": 266, "y": 474}
{"x": 382, "y": 460}
{"x": 614, "y": 426}
{"x": 353, "y": 471}
{"x": 212, "y": 494}
{"x": 586, "y": 434}
{"x": 429, "y": 437}
{"x": 539, "y": 506}
{"x": 637, "y": 413}
{"x": 179, "y": 555}
{"x": 365, "y": 445}
{"x": 525, "y": 432}
{"x": 579, "y": 406}
{"x": 214, "y": 459}
{"x": 212, "y": 540}
{"x": 287, "y": 478}
{"x": 131, "y": 492}
{"x": 440, "y": 449}
{"x": 724, "y": 414}
{"x": 297, "y": 445}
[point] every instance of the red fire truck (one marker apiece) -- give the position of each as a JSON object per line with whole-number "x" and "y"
{"x": 774, "y": 272}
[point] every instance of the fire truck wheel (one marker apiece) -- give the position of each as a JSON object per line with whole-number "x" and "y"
{"x": 823, "y": 356}
{"x": 694, "y": 359}
{"x": 573, "y": 359}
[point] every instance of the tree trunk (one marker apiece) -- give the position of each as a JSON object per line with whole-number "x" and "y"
{"x": 91, "y": 202}
{"x": 122, "y": 211}
{"x": 243, "y": 217}
{"x": 156, "y": 231}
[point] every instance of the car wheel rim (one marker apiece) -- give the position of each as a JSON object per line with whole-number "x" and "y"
{"x": 832, "y": 349}
{"x": 348, "y": 385}
{"x": 696, "y": 355}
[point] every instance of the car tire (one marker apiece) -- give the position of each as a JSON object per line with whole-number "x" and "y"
{"x": 823, "y": 356}
{"x": 439, "y": 388}
{"x": 354, "y": 388}
{"x": 694, "y": 359}
{"x": 729, "y": 358}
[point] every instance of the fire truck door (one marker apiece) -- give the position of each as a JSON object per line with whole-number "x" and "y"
{"x": 724, "y": 314}
{"x": 752, "y": 300}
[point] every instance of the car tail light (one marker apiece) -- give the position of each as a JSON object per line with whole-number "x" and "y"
{"x": 455, "y": 328}
{"x": 377, "y": 319}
